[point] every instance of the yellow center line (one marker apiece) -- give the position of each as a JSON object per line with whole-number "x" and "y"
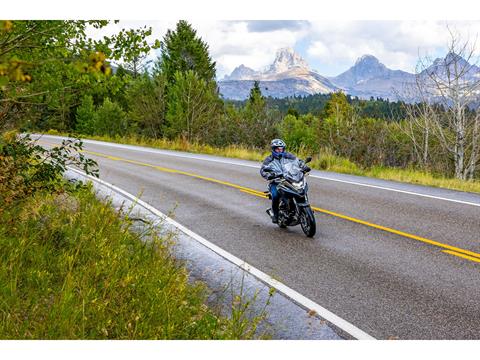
{"x": 467, "y": 254}
{"x": 265, "y": 196}
{"x": 398, "y": 232}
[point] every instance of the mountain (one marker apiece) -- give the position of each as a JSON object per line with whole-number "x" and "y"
{"x": 454, "y": 63}
{"x": 288, "y": 75}
{"x": 241, "y": 73}
{"x": 291, "y": 75}
{"x": 369, "y": 77}
{"x": 285, "y": 60}
{"x": 442, "y": 74}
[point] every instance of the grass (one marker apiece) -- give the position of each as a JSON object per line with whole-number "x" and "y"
{"x": 71, "y": 268}
{"x": 325, "y": 160}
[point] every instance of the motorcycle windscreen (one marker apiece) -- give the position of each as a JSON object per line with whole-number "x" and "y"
{"x": 289, "y": 168}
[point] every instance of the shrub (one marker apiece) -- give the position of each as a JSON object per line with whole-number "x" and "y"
{"x": 26, "y": 167}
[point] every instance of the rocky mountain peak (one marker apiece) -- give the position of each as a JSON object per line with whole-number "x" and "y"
{"x": 241, "y": 72}
{"x": 285, "y": 59}
{"x": 369, "y": 77}
{"x": 367, "y": 59}
{"x": 455, "y": 64}
{"x": 368, "y": 63}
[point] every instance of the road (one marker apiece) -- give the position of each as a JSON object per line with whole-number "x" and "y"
{"x": 396, "y": 260}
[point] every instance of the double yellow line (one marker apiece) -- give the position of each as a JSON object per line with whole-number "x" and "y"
{"x": 452, "y": 250}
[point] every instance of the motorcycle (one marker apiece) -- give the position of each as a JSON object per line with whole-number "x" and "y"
{"x": 292, "y": 187}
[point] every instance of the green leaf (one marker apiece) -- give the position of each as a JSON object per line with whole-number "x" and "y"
{"x": 3, "y": 81}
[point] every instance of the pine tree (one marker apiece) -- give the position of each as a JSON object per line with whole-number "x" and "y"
{"x": 194, "y": 108}
{"x": 183, "y": 50}
{"x": 111, "y": 119}
{"x": 255, "y": 93}
{"x": 259, "y": 120}
{"x": 86, "y": 116}
{"x": 146, "y": 103}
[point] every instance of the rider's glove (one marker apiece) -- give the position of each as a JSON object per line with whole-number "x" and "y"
{"x": 271, "y": 176}
{"x": 306, "y": 169}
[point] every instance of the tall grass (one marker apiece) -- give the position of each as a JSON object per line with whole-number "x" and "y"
{"x": 324, "y": 160}
{"x": 70, "y": 268}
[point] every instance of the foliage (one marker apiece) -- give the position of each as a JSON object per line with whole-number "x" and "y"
{"x": 301, "y": 132}
{"x": 338, "y": 107}
{"x": 194, "y": 107}
{"x": 133, "y": 46}
{"x": 256, "y": 94}
{"x": 324, "y": 159}
{"x": 258, "y": 124}
{"x": 183, "y": 51}
{"x": 69, "y": 88}
{"x": 110, "y": 119}
{"x": 46, "y": 66}
{"x": 86, "y": 119}
{"x": 27, "y": 168}
{"x": 145, "y": 98}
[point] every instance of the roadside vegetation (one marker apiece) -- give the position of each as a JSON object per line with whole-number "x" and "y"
{"x": 173, "y": 102}
{"x": 73, "y": 268}
{"x": 70, "y": 266}
{"x": 323, "y": 160}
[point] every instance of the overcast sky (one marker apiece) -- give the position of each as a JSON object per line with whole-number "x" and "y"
{"x": 330, "y": 47}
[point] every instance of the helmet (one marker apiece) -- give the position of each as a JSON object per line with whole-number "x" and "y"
{"x": 277, "y": 143}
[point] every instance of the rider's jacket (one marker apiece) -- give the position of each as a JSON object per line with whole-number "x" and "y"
{"x": 268, "y": 160}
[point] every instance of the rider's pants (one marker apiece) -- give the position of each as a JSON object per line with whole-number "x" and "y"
{"x": 275, "y": 198}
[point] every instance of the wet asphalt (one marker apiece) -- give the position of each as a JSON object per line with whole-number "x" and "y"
{"x": 388, "y": 285}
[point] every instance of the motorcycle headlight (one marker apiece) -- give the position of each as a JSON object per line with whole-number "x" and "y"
{"x": 299, "y": 184}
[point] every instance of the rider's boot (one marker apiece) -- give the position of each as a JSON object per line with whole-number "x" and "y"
{"x": 273, "y": 216}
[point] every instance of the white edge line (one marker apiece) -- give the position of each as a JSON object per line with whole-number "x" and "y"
{"x": 397, "y": 190}
{"x": 160, "y": 151}
{"x": 282, "y": 288}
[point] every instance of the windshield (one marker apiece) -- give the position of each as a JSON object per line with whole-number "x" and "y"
{"x": 289, "y": 168}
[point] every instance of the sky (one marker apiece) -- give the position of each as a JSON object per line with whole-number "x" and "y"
{"x": 333, "y": 36}
{"x": 329, "y": 46}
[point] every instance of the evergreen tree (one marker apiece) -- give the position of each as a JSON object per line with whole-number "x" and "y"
{"x": 183, "y": 50}
{"x": 86, "y": 116}
{"x": 256, "y": 93}
{"x": 194, "y": 108}
{"x": 259, "y": 121}
{"x": 111, "y": 119}
{"x": 146, "y": 103}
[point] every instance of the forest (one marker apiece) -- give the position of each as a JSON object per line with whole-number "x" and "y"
{"x": 53, "y": 77}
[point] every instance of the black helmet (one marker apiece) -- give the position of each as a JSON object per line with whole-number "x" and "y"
{"x": 277, "y": 143}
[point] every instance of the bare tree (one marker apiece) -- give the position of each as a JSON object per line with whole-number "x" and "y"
{"x": 447, "y": 92}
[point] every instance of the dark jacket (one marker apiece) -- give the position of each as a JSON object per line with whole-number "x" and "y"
{"x": 269, "y": 159}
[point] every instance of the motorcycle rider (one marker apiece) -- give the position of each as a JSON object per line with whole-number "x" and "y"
{"x": 278, "y": 147}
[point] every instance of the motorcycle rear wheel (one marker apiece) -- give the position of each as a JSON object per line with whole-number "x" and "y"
{"x": 307, "y": 222}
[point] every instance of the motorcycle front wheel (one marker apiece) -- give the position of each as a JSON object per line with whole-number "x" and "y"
{"x": 307, "y": 221}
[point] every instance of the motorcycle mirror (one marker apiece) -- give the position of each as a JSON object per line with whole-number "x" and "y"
{"x": 308, "y": 159}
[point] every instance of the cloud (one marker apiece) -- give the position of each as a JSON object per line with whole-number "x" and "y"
{"x": 397, "y": 44}
{"x": 273, "y": 25}
{"x": 330, "y": 47}
{"x": 232, "y": 43}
